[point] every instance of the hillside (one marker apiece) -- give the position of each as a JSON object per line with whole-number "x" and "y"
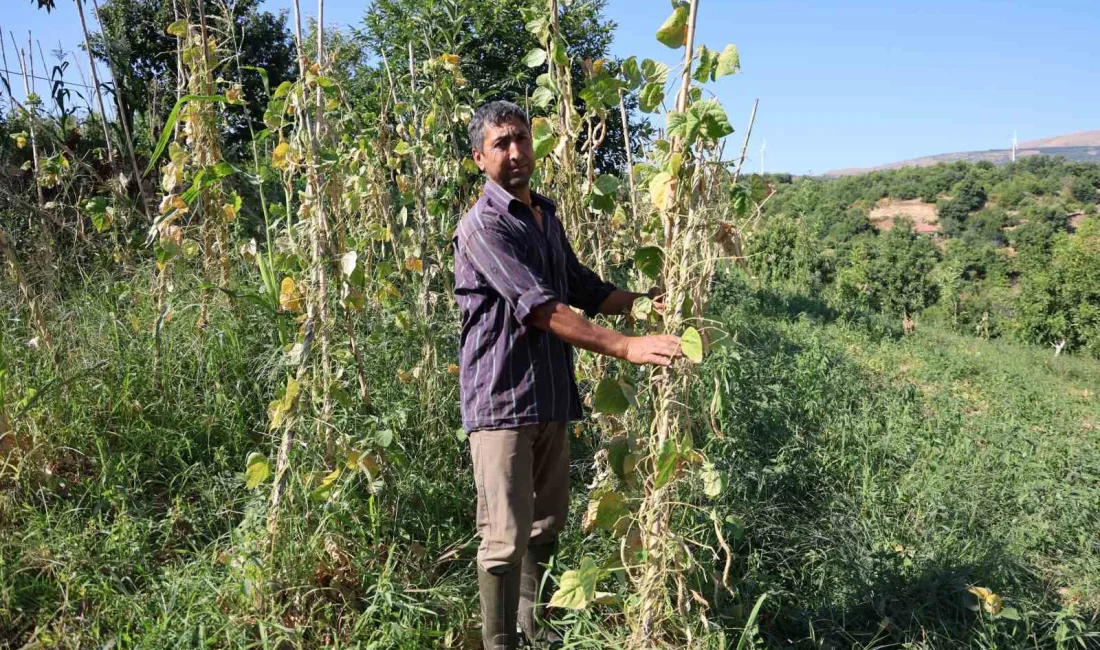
{"x": 1010, "y": 250}
{"x": 1083, "y": 146}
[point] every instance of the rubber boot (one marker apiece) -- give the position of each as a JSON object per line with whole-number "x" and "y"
{"x": 499, "y": 603}
{"x": 531, "y": 601}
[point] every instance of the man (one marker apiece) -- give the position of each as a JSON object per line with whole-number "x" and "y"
{"x": 516, "y": 277}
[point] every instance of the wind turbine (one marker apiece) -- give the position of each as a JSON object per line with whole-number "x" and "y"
{"x": 762, "y": 145}
{"x": 1014, "y": 146}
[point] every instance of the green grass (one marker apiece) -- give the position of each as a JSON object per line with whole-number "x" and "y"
{"x": 872, "y": 479}
{"x": 882, "y": 476}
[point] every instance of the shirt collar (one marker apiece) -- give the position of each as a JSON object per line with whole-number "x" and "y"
{"x": 499, "y": 195}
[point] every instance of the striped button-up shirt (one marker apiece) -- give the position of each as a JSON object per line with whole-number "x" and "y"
{"x": 512, "y": 373}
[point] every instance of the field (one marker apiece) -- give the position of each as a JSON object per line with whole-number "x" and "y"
{"x": 872, "y": 480}
{"x": 229, "y": 400}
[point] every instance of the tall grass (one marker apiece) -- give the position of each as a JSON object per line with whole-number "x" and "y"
{"x": 872, "y": 480}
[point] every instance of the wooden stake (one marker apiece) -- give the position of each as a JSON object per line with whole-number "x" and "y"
{"x": 33, "y": 119}
{"x": 745, "y": 147}
{"x": 134, "y": 169}
{"x": 95, "y": 82}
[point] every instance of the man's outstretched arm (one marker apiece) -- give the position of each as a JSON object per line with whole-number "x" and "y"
{"x": 571, "y": 327}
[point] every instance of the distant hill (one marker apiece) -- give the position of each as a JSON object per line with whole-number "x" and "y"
{"x": 1083, "y": 146}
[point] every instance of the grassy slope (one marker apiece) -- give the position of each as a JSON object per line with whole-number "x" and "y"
{"x": 871, "y": 480}
{"x": 901, "y": 472}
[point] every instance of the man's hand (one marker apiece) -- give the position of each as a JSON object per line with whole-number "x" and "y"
{"x": 658, "y": 350}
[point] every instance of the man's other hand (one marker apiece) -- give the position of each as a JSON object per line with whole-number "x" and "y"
{"x": 658, "y": 350}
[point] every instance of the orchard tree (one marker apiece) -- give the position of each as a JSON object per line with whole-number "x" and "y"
{"x": 902, "y": 271}
{"x": 1059, "y": 303}
{"x": 892, "y": 273}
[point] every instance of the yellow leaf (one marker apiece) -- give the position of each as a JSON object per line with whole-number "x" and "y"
{"x": 662, "y": 189}
{"x": 289, "y": 297}
{"x": 363, "y": 462}
{"x": 404, "y": 376}
{"x": 230, "y": 211}
{"x": 233, "y": 95}
{"x": 452, "y": 369}
{"x": 278, "y": 157}
{"x": 20, "y": 141}
{"x": 415, "y": 264}
{"x": 991, "y": 602}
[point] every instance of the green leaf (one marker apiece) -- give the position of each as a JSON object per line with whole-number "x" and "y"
{"x": 402, "y": 148}
{"x": 692, "y": 344}
{"x": 577, "y": 587}
{"x": 610, "y": 397}
{"x": 673, "y": 33}
{"x": 650, "y": 260}
{"x": 558, "y": 52}
{"x": 535, "y": 58}
{"x": 652, "y": 95}
{"x": 178, "y": 28}
{"x": 283, "y": 89}
{"x": 542, "y": 97}
{"x": 631, "y": 73}
{"x": 759, "y": 189}
{"x": 642, "y": 308}
{"x": 603, "y": 193}
{"x": 257, "y": 470}
{"x": 543, "y": 136}
{"x": 609, "y": 512}
{"x": 654, "y": 72}
{"x": 729, "y": 62}
{"x": 97, "y": 210}
{"x": 606, "y": 184}
{"x": 323, "y": 492}
{"x": 739, "y": 200}
{"x": 705, "y": 59}
{"x": 223, "y": 169}
{"x": 384, "y": 438}
{"x": 668, "y": 462}
{"x": 617, "y": 451}
{"x": 1011, "y": 613}
{"x": 714, "y": 482}
{"x": 704, "y": 118}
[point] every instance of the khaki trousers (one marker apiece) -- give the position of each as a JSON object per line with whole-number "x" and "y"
{"x": 522, "y": 478}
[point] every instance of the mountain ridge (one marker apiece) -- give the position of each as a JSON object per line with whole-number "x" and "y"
{"x": 1082, "y": 146}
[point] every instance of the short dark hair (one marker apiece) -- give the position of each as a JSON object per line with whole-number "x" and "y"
{"x": 493, "y": 114}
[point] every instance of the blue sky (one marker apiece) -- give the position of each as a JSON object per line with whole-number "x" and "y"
{"x": 843, "y": 84}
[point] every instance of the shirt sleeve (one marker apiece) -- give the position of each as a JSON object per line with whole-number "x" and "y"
{"x": 505, "y": 264}
{"x": 587, "y": 290}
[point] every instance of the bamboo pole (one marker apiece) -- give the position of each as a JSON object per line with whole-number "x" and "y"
{"x": 32, "y": 116}
{"x": 7, "y": 79}
{"x": 95, "y": 83}
{"x": 745, "y": 146}
{"x": 135, "y": 170}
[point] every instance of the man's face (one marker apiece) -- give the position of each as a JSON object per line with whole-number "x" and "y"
{"x": 507, "y": 155}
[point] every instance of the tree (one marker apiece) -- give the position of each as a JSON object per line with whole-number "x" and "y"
{"x": 1083, "y": 189}
{"x": 493, "y": 41}
{"x": 902, "y": 271}
{"x": 1059, "y": 304}
{"x": 143, "y": 54}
